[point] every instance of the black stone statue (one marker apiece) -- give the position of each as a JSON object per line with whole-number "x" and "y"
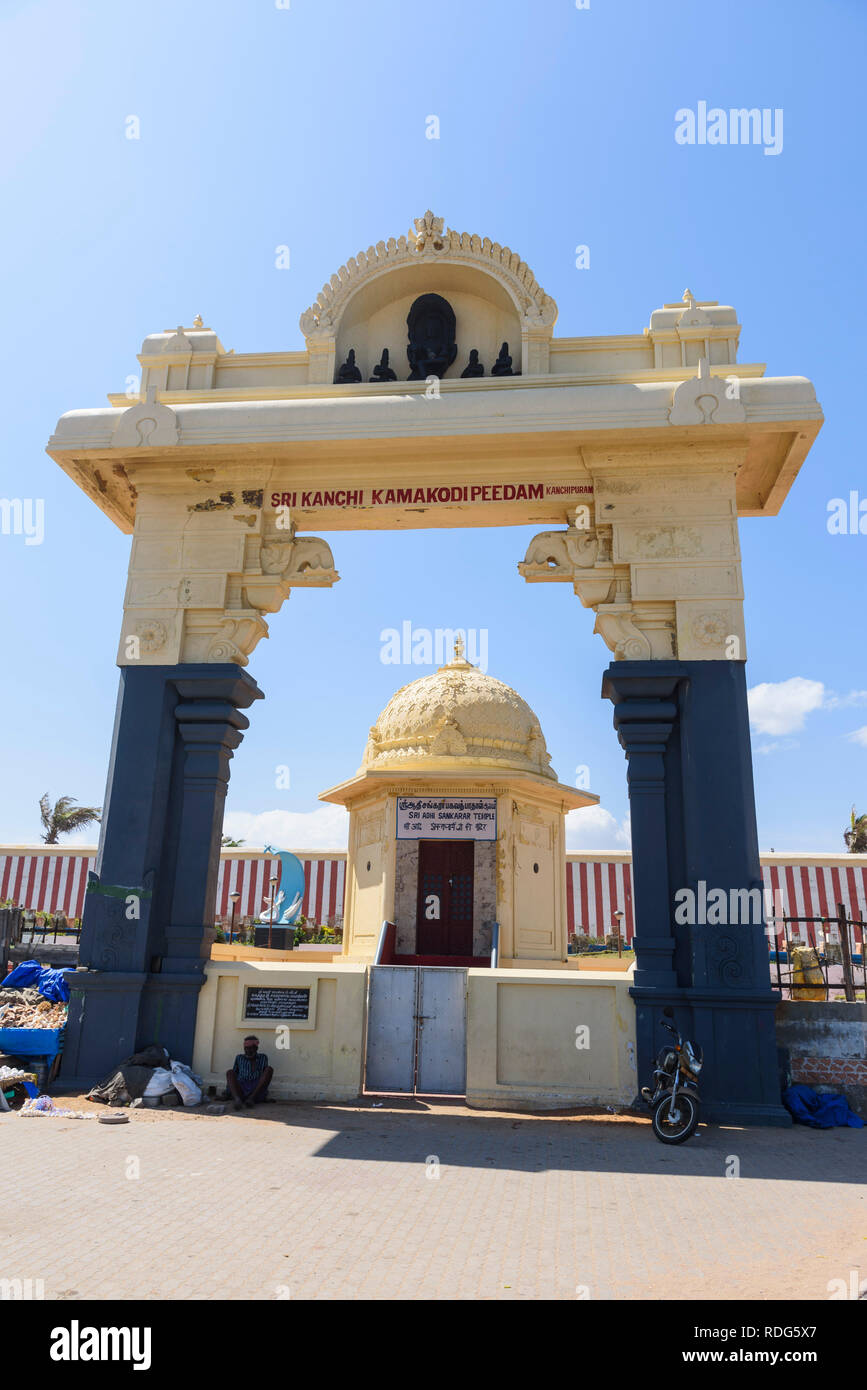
{"x": 503, "y": 364}
{"x": 474, "y": 367}
{"x": 348, "y": 371}
{"x": 432, "y": 348}
{"x": 382, "y": 371}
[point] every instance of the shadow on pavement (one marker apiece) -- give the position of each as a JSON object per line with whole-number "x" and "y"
{"x": 411, "y": 1129}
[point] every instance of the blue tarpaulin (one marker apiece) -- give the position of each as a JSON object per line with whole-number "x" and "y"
{"x": 808, "y": 1107}
{"x": 31, "y": 975}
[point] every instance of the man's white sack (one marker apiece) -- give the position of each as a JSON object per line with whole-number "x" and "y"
{"x": 161, "y": 1082}
{"x": 186, "y": 1083}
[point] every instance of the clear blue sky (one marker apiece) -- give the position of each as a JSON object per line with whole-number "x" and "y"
{"x": 306, "y": 126}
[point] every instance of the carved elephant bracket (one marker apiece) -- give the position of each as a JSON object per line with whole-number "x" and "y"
{"x": 555, "y": 555}
{"x": 300, "y": 561}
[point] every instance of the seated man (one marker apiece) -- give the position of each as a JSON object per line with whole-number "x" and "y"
{"x": 250, "y": 1076}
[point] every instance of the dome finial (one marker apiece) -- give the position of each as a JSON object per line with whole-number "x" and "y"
{"x": 459, "y": 647}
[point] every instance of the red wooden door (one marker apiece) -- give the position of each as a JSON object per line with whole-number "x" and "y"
{"x": 445, "y": 898}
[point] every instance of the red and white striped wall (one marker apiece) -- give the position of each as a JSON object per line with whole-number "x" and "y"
{"x": 47, "y": 879}
{"x": 596, "y": 888}
{"x": 812, "y": 888}
{"x": 249, "y": 874}
{"x": 597, "y": 885}
{"x": 801, "y": 885}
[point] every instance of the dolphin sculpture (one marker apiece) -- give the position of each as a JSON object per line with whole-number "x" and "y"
{"x": 291, "y": 886}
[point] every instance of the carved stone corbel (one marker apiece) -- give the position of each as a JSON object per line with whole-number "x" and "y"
{"x": 236, "y": 636}
{"x": 582, "y": 557}
{"x": 615, "y": 625}
{"x": 286, "y": 563}
{"x": 214, "y": 610}
{"x": 556, "y": 555}
{"x": 301, "y": 561}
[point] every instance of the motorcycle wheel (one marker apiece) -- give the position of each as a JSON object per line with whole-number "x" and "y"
{"x": 678, "y": 1130}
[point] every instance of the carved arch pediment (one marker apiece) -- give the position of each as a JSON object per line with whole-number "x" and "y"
{"x": 430, "y": 243}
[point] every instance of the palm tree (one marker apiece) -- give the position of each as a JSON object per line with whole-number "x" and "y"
{"x": 856, "y": 835}
{"x": 64, "y": 816}
{"x": 228, "y": 843}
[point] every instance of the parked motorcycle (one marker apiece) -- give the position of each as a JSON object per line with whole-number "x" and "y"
{"x": 674, "y": 1097}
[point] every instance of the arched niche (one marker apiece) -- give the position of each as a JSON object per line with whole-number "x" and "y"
{"x": 375, "y": 316}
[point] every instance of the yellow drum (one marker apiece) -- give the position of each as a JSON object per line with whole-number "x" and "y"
{"x": 807, "y": 979}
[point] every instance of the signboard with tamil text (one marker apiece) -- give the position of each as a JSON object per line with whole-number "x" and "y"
{"x": 277, "y": 1002}
{"x": 447, "y": 818}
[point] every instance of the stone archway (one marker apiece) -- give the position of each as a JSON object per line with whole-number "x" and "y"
{"x": 634, "y": 454}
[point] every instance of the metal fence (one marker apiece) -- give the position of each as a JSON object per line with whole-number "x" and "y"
{"x": 581, "y": 944}
{"x": 34, "y": 931}
{"x": 840, "y": 955}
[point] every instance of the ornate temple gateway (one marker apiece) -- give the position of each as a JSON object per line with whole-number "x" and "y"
{"x": 431, "y": 391}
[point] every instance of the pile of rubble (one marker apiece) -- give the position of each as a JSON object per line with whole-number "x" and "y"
{"x": 27, "y": 1008}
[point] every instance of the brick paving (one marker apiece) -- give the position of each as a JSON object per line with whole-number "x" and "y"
{"x": 334, "y": 1202}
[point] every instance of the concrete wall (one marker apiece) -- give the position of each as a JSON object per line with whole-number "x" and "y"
{"x": 522, "y": 1029}
{"x": 324, "y": 1059}
{"x": 521, "y": 1034}
{"x": 319, "y": 955}
{"x": 824, "y": 1045}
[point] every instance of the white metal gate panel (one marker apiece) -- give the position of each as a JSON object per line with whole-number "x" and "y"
{"x": 391, "y": 1028}
{"x": 442, "y": 1031}
{"x": 417, "y": 1029}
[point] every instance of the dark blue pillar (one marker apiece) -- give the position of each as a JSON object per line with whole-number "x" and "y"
{"x": 149, "y": 910}
{"x": 644, "y": 721}
{"x": 684, "y": 726}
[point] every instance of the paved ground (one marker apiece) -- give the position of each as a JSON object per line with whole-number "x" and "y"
{"x": 315, "y": 1201}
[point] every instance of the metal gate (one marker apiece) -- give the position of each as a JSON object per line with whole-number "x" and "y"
{"x": 417, "y": 1029}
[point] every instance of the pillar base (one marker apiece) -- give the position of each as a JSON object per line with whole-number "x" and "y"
{"x": 167, "y": 1015}
{"x": 101, "y": 1026}
{"x": 115, "y": 1013}
{"x": 739, "y": 1082}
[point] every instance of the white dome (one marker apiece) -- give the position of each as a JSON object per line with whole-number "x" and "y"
{"x": 458, "y": 715}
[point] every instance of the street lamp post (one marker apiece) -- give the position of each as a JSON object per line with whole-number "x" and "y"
{"x": 618, "y": 918}
{"x": 273, "y": 883}
{"x": 233, "y": 899}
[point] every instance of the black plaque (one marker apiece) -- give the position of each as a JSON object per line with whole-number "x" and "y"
{"x": 265, "y": 1001}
